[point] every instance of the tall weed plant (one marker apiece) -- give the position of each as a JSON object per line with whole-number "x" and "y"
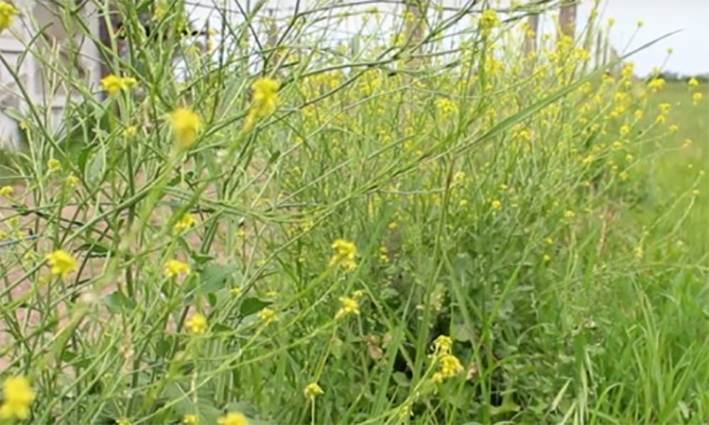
{"x": 388, "y": 231}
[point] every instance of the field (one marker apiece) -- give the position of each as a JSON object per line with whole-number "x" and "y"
{"x": 494, "y": 239}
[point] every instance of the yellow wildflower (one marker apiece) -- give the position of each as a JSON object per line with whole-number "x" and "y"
{"x": 197, "y": 324}
{"x": 312, "y": 390}
{"x": 129, "y": 82}
{"x": 174, "y": 268}
{"x": 72, "y": 180}
{"x": 130, "y": 131}
{"x": 112, "y": 84}
{"x": 265, "y": 100}
{"x": 7, "y": 15}
{"x": 345, "y": 254}
{"x": 185, "y": 223}
{"x": 443, "y": 344}
{"x": 660, "y": 119}
{"x": 656, "y": 84}
{"x": 673, "y": 128}
{"x": 268, "y": 316}
{"x": 665, "y": 107}
{"x": 54, "y": 164}
{"x": 186, "y": 126}
{"x": 693, "y": 82}
{"x": 189, "y": 420}
{"x": 697, "y": 97}
{"x": 496, "y": 205}
{"x": 489, "y": 20}
{"x": 62, "y": 263}
{"x": 7, "y": 191}
{"x": 233, "y": 418}
{"x": 17, "y": 397}
{"x": 348, "y": 306}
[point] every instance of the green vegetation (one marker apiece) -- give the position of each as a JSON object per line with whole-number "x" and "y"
{"x": 477, "y": 238}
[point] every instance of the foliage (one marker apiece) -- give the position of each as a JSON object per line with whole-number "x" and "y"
{"x": 391, "y": 237}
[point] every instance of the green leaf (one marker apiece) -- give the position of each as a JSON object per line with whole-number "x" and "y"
{"x": 95, "y": 249}
{"x": 214, "y": 277}
{"x": 401, "y": 379}
{"x": 118, "y": 303}
{"x": 252, "y": 305}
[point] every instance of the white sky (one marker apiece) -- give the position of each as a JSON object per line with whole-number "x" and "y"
{"x": 691, "y": 47}
{"x": 660, "y": 17}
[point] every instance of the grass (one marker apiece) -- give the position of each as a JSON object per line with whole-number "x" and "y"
{"x": 504, "y": 239}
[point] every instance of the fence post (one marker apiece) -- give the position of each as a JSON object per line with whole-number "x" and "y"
{"x": 413, "y": 27}
{"x": 567, "y": 18}
{"x": 530, "y": 36}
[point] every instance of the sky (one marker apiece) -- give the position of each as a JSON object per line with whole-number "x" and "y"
{"x": 660, "y": 17}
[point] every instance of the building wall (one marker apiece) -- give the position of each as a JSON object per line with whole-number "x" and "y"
{"x": 61, "y": 45}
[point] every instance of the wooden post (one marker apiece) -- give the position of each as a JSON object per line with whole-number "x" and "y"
{"x": 530, "y": 37}
{"x": 567, "y": 18}
{"x": 414, "y": 27}
{"x": 274, "y": 56}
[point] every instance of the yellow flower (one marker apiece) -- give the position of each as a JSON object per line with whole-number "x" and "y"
{"x": 496, "y": 205}
{"x": 697, "y": 97}
{"x": 185, "y": 223}
{"x": 489, "y": 20}
{"x": 175, "y": 268}
{"x": 450, "y": 365}
{"x": 186, "y": 126}
{"x": 656, "y": 84}
{"x": 61, "y": 263}
{"x": 129, "y": 82}
{"x": 17, "y": 398}
{"x": 546, "y": 258}
{"x": 693, "y": 82}
{"x": 348, "y": 306}
{"x": 665, "y": 107}
{"x": 312, "y": 390}
{"x": 7, "y": 15}
{"x": 569, "y": 214}
{"x": 641, "y": 23}
{"x": 265, "y": 100}
{"x": 345, "y": 254}
{"x": 189, "y": 420}
{"x": 72, "y": 180}
{"x": 673, "y": 128}
{"x": 130, "y": 131}
{"x": 233, "y": 418}
{"x": 54, "y": 164}
{"x": 660, "y": 119}
{"x": 112, "y": 84}
{"x": 197, "y": 324}
{"x": 442, "y": 345}
{"x": 7, "y": 191}
{"x": 268, "y": 316}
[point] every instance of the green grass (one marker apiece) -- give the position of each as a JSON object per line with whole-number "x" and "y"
{"x": 520, "y": 207}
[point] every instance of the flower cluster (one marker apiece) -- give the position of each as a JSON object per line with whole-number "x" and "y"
{"x": 448, "y": 365}
{"x": 345, "y": 254}
{"x": 114, "y": 84}
{"x": 7, "y": 15}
